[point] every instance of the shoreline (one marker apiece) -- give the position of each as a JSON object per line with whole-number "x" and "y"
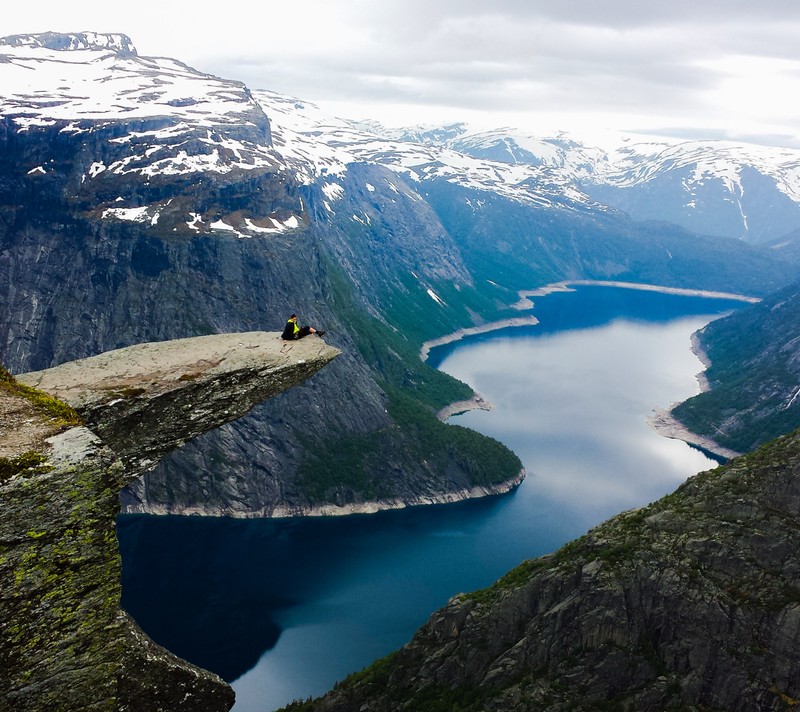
{"x": 333, "y": 510}
{"x": 477, "y": 402}
{"x": 426, "y": 347}
{"x": 567, "y": 286}
{"x": 697, "y": 350}
{"x": 661, "y": 420}
{"x": 667, "y": 426}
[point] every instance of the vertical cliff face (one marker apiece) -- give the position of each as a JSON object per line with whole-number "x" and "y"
{"x": 689, "y": 603}
{"x": 167, "y": 213}
{"x": 66, "y": 645}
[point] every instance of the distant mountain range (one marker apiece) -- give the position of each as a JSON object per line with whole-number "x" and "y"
{"x": 738, "y": 190}
{"x": 141, "y": 199}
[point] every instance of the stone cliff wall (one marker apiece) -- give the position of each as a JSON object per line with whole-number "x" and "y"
{"x": 66, "y": 644}
{"x": 76, "y": 281}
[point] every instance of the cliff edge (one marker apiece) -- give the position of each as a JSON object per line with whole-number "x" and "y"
{"x": 65, "y": 642}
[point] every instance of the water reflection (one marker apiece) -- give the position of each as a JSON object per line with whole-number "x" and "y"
{"x": 286, "y": 608}
{"x": 574, "y": 407}
{"x": 220, "y": 592}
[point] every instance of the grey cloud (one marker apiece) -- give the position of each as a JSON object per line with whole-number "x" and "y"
{"x": 616, "y": 13}
{"x": 651, "y": 58}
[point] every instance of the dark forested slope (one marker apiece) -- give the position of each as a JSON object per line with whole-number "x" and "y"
{"x": 754, "y": 375}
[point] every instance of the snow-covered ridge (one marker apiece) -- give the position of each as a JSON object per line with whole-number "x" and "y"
{"x": 81, "y": 82}
{"x": 725, "y": 187}
{"x": 625, "y": 160}
{"x": 628, "y": 159}
{"x": 116, "y": 42}
{"x": 319, "y": 146}
{"x": 542, "y": 170}
{"x": 723, "y": 160}
{"x": 145, "y": 118}
{"x": 72, "y": 77}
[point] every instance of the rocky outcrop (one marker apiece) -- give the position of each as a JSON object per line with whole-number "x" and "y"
{"x": 66, "y": 645}
{"x": 146, "y": 400}
{"x": 690, "y": 603}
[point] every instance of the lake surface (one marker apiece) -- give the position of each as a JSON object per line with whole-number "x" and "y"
{"x": 284, "y": 608}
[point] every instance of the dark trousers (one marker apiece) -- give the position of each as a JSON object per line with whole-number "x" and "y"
{"x": 304, "y": 331}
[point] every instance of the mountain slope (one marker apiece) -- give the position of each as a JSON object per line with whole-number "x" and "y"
{"x": 753, "y": 375}
{"x": 141, "y": 200}
{"x": 690, "y": 603}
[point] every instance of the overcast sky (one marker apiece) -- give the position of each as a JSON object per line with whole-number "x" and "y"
{"x": 700, "y": 68}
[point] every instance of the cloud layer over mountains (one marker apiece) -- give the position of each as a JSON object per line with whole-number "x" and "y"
{"x": 710, "y": 70}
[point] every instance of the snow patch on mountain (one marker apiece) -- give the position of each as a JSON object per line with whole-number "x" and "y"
{"x": 93, "y": 82}
{"x": 86, "y": 80}
{"x": 436, "y": 298}
{"x": 119, "y": 43}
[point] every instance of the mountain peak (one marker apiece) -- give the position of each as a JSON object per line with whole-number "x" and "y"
{"x": 119, "y": 43}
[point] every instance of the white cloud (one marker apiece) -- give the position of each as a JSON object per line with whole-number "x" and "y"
{"x": 728, "y": 65}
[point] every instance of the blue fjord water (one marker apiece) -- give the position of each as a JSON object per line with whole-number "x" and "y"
{"x": 284, "y": 608}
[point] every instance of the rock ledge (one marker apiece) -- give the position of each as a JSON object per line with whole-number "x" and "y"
{"x": 66, "y": 644}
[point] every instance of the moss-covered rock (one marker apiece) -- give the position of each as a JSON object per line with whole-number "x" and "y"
{"x": 65, "y": 644}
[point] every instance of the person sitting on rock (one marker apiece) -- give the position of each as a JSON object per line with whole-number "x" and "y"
{"x": 293, "y": 331}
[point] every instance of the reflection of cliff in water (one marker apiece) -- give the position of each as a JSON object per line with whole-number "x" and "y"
{"x": 209, "y": 589}
{"x": 207, "y": 602}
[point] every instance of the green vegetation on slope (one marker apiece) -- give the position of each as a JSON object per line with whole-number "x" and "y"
{"x": 754, "y": 375}
{"x": 29, "y": 463}
{"x": 57, "y": 414}
{"x": 47, "y": 405}
{"x": 417, "y": 440}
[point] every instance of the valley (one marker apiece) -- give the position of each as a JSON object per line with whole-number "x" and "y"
{"x": 302, "y": 603}
{"x": 142, "y": 200}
